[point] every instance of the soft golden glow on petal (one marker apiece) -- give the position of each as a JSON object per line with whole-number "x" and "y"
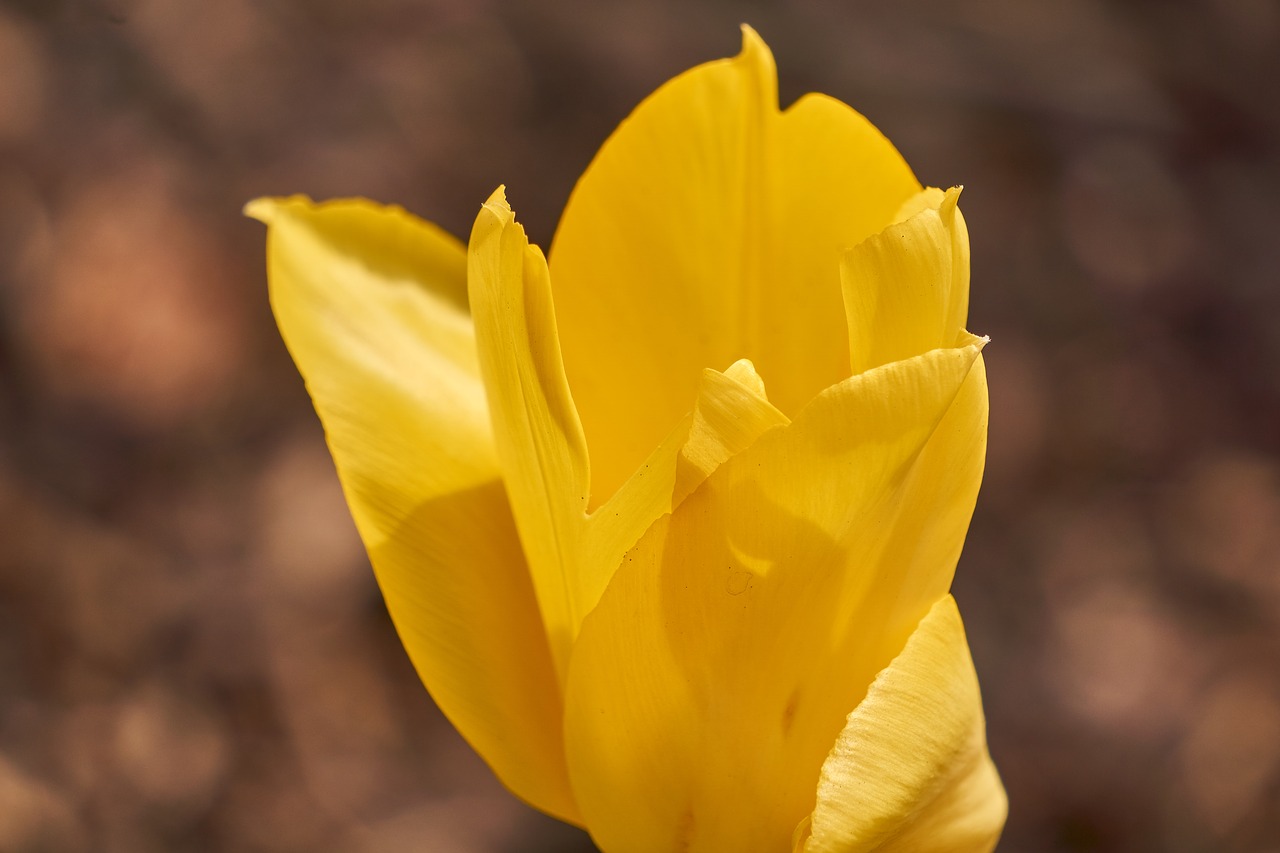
{"x": 371, "y": 303}
{"x": 910, "y": 770}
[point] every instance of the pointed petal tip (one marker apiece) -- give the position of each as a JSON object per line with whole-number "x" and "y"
{"x": 266, "y": 209}
{"x": 755, "y": 52}
{"x": 743, "y": 371}
{"x": 260, "y": 209}
{"x": 751, "y": 40}
{"x": 497, "y": 204}
{"x": 498, "y": 196}
{"x": 494, "y": 216}
{"x": 950, "y": 199}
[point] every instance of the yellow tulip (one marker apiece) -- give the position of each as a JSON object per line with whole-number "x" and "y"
{"x": 663, "y": 604}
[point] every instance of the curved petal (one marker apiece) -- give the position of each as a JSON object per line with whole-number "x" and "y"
{"x": 535, "y": 424}
{"x": 906, "y": 289}
{"x": 708, "y": 685}
{"x": 708, "y": 229}
{"x": 910, "y": 771}
{"x": 572, "y": 555}
{"x": 371, "y": 304}
{"x": 729, "y": 413}
{"x": 732, "y": 411}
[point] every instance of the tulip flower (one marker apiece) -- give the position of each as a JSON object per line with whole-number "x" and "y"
{"x": 667, "y": 522}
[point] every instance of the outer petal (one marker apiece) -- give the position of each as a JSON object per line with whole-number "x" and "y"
{"x": 910, "y": 771}
{"x": 572, "y": 555}
{"x": 708, "y": 685}
{"x": 708, "y": 229}
{"x": 371, "y": 303}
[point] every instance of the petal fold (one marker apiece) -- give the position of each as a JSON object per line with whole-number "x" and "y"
{"x": 910, "y": 770}
{"x": 709, "y": 228}
{"x": 709, "y": 683}
{"x": 372, "y": 305}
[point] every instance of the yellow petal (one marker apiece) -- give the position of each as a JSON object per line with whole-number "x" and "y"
{"x": 906, "y": 289}
{"x": 371, "y": 304}
{"x": 711, "y": 680}
{"x": 732, "y": 411}
{"x": 708, "y": 229}
{"x": 910, "y": 771}
{"x": 572, "y": 555}
{"x": 536, "y": 430}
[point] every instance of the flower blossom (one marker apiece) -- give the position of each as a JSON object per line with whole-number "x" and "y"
{"x": 673, "y": 551}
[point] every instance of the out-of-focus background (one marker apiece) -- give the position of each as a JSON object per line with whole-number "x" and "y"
{"x": 193, "y": 653}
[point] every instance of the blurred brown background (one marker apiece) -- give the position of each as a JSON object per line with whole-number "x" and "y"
{"x": 193, "y": 654}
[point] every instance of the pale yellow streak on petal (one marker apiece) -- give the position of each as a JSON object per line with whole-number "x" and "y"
{"x": 910, "y": 771}
{"x": 372, "y": 305}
